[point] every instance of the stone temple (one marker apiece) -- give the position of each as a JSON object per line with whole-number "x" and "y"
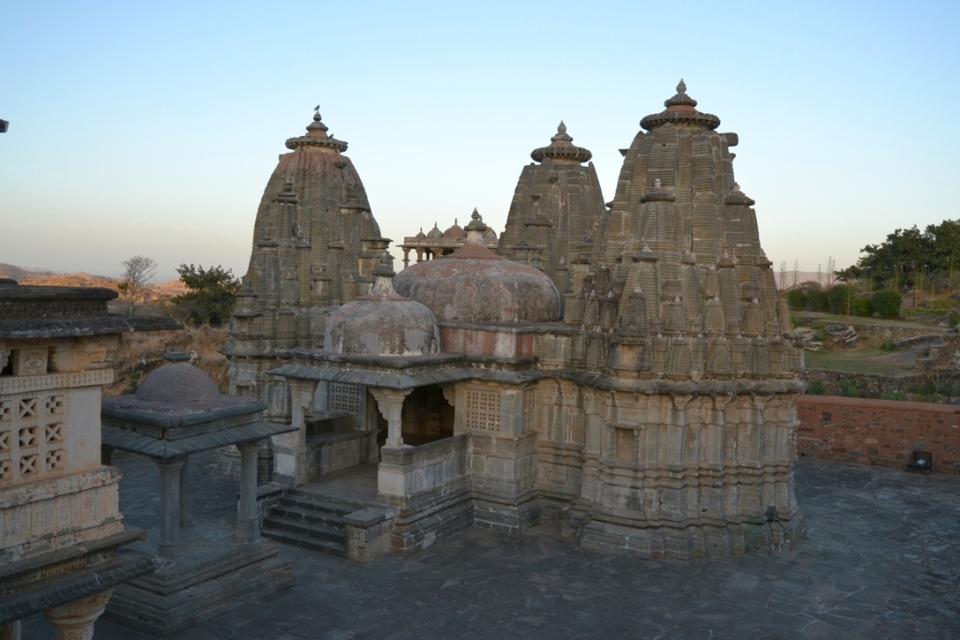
{"x": 618, "y": 368}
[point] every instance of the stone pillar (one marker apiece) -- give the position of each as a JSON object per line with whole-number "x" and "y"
{"x": 291, "y": 449}
{"x": 406, "y": 257}
{"x": 390, "y": 403}
{"x": 74, "y": 620}
{"x": 11, "y": 630}
{"x": 248, "y": 523}
{"x": 186, "y": 512}
{"x": 169, "y": 546}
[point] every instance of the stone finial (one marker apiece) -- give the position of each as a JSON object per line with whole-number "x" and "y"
{"x": 561, "y": 147}
{"x": 317, "y": 136}
{"x": 385, "y": 268}
{"x": 680, "y": 109}
{"x": 561, "y": 134}
{"x": 475, "y": 228}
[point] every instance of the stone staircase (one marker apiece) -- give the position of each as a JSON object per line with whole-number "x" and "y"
{"x": 310, "y": 521}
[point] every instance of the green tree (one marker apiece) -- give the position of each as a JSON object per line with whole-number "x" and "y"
{"x": 211, "y": 294}
{"x": 886, "y": 303}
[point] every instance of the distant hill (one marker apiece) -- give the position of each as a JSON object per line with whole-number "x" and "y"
{"x": 18, "y": 273}
{"x": 51, "y": 279}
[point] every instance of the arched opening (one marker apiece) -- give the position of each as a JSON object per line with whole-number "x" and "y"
{"x": 427, "y": 416}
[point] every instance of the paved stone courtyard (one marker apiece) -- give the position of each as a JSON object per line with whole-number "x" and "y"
{"x": 881, "y": 560}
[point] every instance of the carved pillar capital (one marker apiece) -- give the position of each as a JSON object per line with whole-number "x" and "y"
{"x": 390, "y": 404}
{"x": 74, "y": 620}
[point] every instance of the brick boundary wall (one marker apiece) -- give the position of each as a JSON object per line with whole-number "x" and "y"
{"x": 880, "y": 432}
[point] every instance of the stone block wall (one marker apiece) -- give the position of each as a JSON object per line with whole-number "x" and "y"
{"x": 881, "y": 432}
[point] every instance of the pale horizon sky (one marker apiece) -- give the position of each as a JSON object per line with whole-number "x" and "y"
{"x": 152, "y": 128}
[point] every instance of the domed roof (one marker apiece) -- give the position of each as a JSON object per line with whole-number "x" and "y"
{"x": 382, "y": 323}
{"x": 455, "y": 232}
{"x": 435, "y": 232}
{"x": 175, "y": 383}
{"x": 421, "y": 235}
{"x": 489, "y": 234}
{"x": 473, "y": 284}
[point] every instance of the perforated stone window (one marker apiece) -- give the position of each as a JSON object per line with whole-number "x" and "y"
{"x": 344, "y": 397}
{"x": 32, "y": 435}
{"x": 28, "y": 437}
{"x": 29, "y": 465}
{"x": 54, "y": 405}
{"x": 483, "y": 410}
{"x": 56, "y": 459}
{"x": 28, "y": 407}
{"x": 54, "y": 433}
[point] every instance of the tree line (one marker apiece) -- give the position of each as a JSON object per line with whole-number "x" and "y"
{"x": 909, "y": 258}
{"x": 210, "y": 297}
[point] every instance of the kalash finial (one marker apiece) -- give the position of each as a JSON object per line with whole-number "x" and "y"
{"x": 562, "y": 135}
{"x": 385, "y": 268}
{"x": 682, "y": 87}
{"x": 475, "y": 228}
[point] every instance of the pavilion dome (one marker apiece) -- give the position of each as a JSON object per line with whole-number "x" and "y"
{"x": 435, "y": 232}
{"x": 176, "y": 383}
{"x": 473, "y": 284}
{"x": 455, "y": 232}
{"x": 382, "y": 323}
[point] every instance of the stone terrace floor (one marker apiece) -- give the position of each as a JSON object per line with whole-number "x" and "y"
{"x": 881, "y": 560}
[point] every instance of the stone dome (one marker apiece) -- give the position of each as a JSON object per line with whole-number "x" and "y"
{"x": 455, "y": 232}
{"x": 473, "y": 284}
{"x": 177, "y": 383}
{"x": 382, "y": 323}
{"x": 435, "y": 232}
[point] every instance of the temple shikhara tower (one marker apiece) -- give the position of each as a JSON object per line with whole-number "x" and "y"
{"x": 555, "y": 208}
{"x": 315, "y": 244}
{"x": 621, "y": 368}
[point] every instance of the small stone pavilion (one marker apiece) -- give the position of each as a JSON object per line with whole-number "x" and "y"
{"x": 60, "y": 527}
{"x": 177, "y": 410}
{"x": 436, "y": 243}
{"x": 628, "y": 373}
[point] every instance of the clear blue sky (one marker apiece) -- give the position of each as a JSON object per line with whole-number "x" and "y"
{"x": 151, "y": 128}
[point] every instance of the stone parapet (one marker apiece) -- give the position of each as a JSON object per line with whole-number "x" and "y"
{"x": 881, "y": 432}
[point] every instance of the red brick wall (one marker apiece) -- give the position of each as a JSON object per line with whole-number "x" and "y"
{"x": 880, "y": 432}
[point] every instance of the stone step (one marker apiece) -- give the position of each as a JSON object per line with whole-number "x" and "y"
{"x": 311, "y": 516}
{"x": 306, "y": 542}
{"x": 305, "y": 501}
{"x": 306, "y": 529}
{"x": 303, "y": 492}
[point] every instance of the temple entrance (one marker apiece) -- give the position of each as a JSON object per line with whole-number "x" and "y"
{"x": 427, "y": 416}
